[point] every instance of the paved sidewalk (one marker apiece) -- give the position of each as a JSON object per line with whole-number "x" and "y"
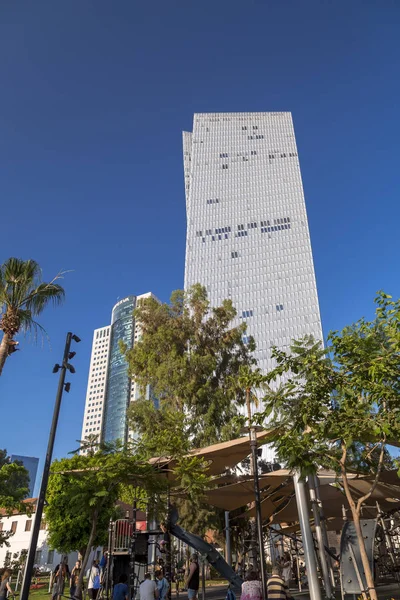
{"x": 385, "y": 592}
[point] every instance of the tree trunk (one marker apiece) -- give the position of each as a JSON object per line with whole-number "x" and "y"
{"x": 81, "y": 553}
{"x": 355, "y": 511}
{"x": 78, "y": 592}
{"x": 371, "y": 592}
{"x": 4, "y": 346}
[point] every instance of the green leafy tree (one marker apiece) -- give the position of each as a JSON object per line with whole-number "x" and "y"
{"x": 250, "y": 381}
{"x": 163, "y": 434}
{"x": 189, "y": 354}
{"x": 83, "y": 493}
{"x": 14, "y": 487}
{"x": 18, "y": 561}
{"x": 339, "y": 407}
{"x": 23, "y": 296}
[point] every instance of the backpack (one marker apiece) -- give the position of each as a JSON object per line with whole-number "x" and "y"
{"x": 164, "y": 588}
{"x": 96, "y": 580}
{"x": 230, "y": 595}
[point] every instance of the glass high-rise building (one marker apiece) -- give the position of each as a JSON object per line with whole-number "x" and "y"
{"x": 247, "y": 230}
{"x": 31, "y": 464}
{"x": 118, "y": 384}
{"x": 110, "y": 390}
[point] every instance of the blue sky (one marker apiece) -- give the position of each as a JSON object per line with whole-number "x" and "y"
{"x": 94, "y": 96}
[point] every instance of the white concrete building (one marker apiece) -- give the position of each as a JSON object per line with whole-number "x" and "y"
{"x": 109, "y": 389}
{"x": 247, "y": 230}
{"x": 96, "y": 388}
{"x": 21, "y": 525}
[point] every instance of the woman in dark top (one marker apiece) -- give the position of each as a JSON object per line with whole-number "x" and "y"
{"x": 193, "y": 580}
{"x": 5, "y": 585}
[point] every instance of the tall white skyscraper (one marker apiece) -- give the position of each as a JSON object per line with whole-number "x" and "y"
{"x": 110, "y": 390}
{"x": 247, "y": 231}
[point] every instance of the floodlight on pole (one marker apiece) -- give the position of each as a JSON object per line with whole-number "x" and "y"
{"x": 30, "y": 559}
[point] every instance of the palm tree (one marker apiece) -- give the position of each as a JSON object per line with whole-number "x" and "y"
{"x": 23, "y": 296}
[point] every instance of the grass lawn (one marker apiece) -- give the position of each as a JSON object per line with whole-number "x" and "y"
{"x": 43, "y": 594}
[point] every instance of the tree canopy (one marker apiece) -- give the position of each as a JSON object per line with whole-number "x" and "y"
{"x": 192, "y": 357}
{"x": 82, "y": 496}
{"x": 14, "y": 487}
{"x": 189, "y": 354}
{"x": 338, "y": 407}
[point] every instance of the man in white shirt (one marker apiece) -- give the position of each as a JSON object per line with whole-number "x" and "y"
{"x": 148, "y": 589}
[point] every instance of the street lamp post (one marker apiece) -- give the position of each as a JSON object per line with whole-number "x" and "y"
{"x": 64, "y": 367}
{"x": 228, "y": 551}
{"x": 253, "y": 445}
{"x": 306, "y": 535}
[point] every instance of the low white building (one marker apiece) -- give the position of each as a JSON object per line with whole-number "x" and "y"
{"x": 21, "y": 525}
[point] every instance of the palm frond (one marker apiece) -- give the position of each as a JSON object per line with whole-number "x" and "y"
{"x": 18, "y": 278}
{"x": 29, "y": 325}
{"x": 16, "y": 269}
{"x": 23, "y": 296}
{"x": 44, "y": 294}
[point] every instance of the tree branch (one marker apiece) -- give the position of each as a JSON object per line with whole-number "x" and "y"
{"x": 377, "y": 475}
{"x": 372, "y": 449}
{"x": 343, "y": 471}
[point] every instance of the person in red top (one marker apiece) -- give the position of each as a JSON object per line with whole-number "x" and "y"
{"x": 251, "y": 588}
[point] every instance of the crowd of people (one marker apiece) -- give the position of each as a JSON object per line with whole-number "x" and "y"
{"x": 62, "y": 576}
{"x": 278, "y": 584}
{"x": 157, "y": 589}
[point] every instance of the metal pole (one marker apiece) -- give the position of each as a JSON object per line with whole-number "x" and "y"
{"x": 324, "y": 531}
{"x": 17, "y": 582}
{"x": 203, "y": 580}
{"x": 228, "y": 553}
{"x": 132, "y": 562}
{"x": 253, "y": 444}
{"x": 320, "y": 540}
{"x": 308, "y": 543}
{"x": 358, "y": 573}
{"x": 108, "y": 564}
{"x": 389, "y": 543}
{"x": 30, "y": 559}
{"x": 153, "y": 542}
{"x": 167, "y": 537}
{"x": 298, "y": 568}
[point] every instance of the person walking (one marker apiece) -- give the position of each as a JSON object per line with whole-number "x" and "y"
{"x": 252, "y": 587}
{"x": 73, "y": 581}
{"x": 60, "y": 574}
{"x": 162, "y": 585}
{"x": 286, "y": 565}
{"x": 276, "y": 586}
{"x": 103, "y": 564}
{"x": 179, "y": 576}
{"x": 94, "y": 580}
{"x": 148, "y": 588}
{"x": 193, "y": 580}
{"x": 121, "y": 590}
{"x": 5, "y": 586}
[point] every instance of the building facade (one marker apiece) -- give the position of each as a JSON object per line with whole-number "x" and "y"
{"x": 247, "y": 230}
{"x": 21, "y": 526}
{"x": 96, "y": 388}
{"x": 31, "y": 465}
{"x": 110, "y": 390}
